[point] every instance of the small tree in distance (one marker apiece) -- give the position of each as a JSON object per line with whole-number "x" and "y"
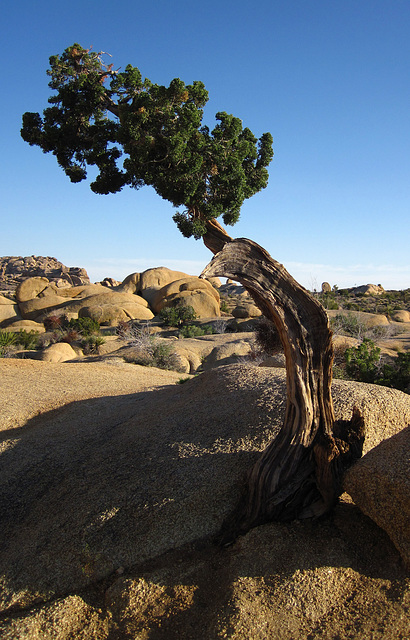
{"x": 139, "y": 133}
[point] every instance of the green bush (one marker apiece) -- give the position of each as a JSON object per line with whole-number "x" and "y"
{"x": 328, "y": 300}
{"x": 7, "y": 338}
{"x": 85, "y": 326}
{"x": 91, "y": 344}
{"x": 28, "y": 340}
{"x": 194, "y": 331}
{"x": 177, "y": 316}
{"x": 12, "y": 340}
{"x": 397, "y": 374}
{"x": 224, "y": 307}
{"x": 163, "y": 356}
{"x": 362, "y": 362}
{"x": 7, "y": 342}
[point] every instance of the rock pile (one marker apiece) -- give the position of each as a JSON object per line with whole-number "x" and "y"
{"x": 139, "y": 297}
{"x": 15, "y": 269}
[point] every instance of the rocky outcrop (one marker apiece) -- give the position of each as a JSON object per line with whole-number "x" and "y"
{"x": 59, "y": 352}
{"x": 369, "y": 289}
{"x": 380, "y": 485}
{"x": 37, "y": 298}
{"x": 99, "y": 475}
{"x": 15, "y": 269}
{"x": 189, "y": 291}
{"x": 402, "y": 315}
{"x": 117, "y": 480}
{"x": 149, "y": 282}
{"x": 9, "y": 310}
{"x": 248, "y": 310}
{"x": 368, "y": 319}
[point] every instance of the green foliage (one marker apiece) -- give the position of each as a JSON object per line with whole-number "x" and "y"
{"x": 328, "y": 301}
{"x": 194, "y": 331}
{"x": 139, "y": 133}
{"x": 224, "y": 307}
{"x": 163, "y": 356}
{"x": 362, "y": 361}
{"x": 177, "y": 316}
{"x": 12, "y": 340}
{"x": 7, "y": 338}
{"x": 397, "y": 374}
{"x": 85, "y": 326}
{"x": 27, "y": 340}
{"x": 91, "y": 344}
{"x": 148, "y": 350}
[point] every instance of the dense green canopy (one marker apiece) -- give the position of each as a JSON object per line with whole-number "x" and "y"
{"x": 139, "y": 133}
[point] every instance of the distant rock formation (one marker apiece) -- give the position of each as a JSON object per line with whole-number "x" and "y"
{"x": 15, "y": 269}
{"x": 369, "y": 289}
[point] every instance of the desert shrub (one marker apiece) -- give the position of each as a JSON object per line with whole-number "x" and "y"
{"x": 70, "y": 336}
{"x": 267, "y": 337}
{"x": 163, "y": 356}
{"x": 224, "y": 307}
{"x": 7, "y": 343}
{"x": 348, "y": 325}
{"x": 122, "y": 328}
{"x": 328, "y": 300}
{"x": 362, "y": 362}
{"x": 220, "y": 325}
{"x": 153, "y": 354}
{"x": 7, "y": 338}
{"x": 91, "y": 344}
{"x": 195, "y": 331}
{"x": 397, "y": 374}
{"x": 85, "y": 326}
{"x": 149, "y": 351}
{"x": 339, "y": 361}
{"x": 177, "y": 316}
{"x": 55, "y": 321}
{"x": 28, "y": 340}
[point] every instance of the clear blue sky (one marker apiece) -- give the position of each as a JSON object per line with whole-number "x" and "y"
{"x": 330, "y": 79}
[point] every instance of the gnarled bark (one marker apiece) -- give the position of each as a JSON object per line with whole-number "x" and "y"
{"x": 216, "y": 236}
{"x": 299, "y": 474}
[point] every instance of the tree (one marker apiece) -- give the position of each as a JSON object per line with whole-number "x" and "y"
{"x": 139, "y": 133}
{"x": 153, "y": 137}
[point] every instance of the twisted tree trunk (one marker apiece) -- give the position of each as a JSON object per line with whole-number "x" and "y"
{"x": 299, "y": 474}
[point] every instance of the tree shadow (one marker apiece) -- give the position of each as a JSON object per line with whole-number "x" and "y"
{"x": 109, "y": 482}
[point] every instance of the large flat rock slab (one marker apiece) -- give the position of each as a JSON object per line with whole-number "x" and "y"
{"x": 102, "y": 468}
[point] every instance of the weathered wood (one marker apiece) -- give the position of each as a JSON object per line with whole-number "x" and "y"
{"x": 215, "y": 237}
{"x": 299, "y": 473}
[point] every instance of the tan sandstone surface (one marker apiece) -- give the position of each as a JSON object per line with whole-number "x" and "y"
{"x": 115, "y": 480}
